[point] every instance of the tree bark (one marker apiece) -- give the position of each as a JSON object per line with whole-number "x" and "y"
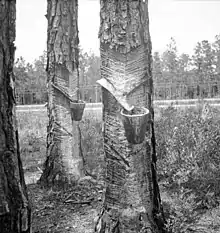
{"x": 132, "y": 199}
{"x": 15, "y": 212}
{"x": 64, "y": 163}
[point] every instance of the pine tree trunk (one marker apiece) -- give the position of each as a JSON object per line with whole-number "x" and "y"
{"x": 132, "y": 199}
{"x": 15, "y": 213}
{"x": 64, "y": 163}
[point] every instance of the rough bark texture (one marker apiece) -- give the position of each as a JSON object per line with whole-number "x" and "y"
{"x": 132, "y": 200}
{"x": 64, "y": 162}
{"x": 15, "y": 213}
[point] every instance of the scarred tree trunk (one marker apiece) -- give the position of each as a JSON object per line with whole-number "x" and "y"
{"x": 15, "y": 213}
{"x": 64, "y": 161}
{"x": 132, "y": 199}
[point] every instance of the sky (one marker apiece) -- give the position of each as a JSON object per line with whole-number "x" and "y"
{"x": 187, "y": 21}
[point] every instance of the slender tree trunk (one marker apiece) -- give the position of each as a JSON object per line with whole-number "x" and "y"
{"x": 64, "y": 161}
{"x": 132, "y": 199}
{"x": 15, "y": 213}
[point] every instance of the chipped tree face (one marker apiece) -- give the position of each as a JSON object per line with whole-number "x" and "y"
{"x": 132, "y": 198}
{"x": 64, "y": 162}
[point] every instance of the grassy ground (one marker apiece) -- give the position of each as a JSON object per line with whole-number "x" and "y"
{"x": 32, "y": 138}
{"x": 74, "y": 210}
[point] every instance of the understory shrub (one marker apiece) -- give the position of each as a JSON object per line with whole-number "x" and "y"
{"x": 188, "y": 163}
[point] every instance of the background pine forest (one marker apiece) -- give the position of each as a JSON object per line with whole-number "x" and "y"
{"x": 202, "y": 67}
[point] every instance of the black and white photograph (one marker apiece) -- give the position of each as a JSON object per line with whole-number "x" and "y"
{"x": 109, "y": 116}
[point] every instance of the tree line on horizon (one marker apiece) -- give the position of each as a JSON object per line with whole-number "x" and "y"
{"x": 168, "y": 68}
